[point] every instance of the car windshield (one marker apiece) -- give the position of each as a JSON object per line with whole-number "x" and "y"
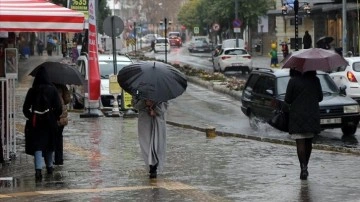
{"x": 327, "y": 85}
{"x": 107, "y": 68}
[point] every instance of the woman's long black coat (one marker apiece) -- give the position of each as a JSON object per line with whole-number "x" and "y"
{"x": 303, "y": 95}
{"x": 43, "y": 136}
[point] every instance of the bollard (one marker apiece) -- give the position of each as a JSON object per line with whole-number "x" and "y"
{"x": 210, "y": 132}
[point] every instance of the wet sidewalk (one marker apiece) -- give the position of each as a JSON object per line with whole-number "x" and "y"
{"x": 103, "y": 163}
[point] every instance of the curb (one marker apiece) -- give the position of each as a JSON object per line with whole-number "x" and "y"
{"x": 218, "y": 88}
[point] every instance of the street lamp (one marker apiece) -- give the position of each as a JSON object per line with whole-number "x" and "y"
{"x": 284, "y": 11}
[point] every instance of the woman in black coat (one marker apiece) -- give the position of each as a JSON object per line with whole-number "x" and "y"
{"x": 42, "y": 107}
{"x": 303, "y": 95}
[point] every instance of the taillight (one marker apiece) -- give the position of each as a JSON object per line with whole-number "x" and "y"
{"x": 225, "y": 57}
{"x": 351, "y": 77}
{"x": 248, "y": 57}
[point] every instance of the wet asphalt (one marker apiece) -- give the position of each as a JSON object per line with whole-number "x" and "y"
{"x": 103, "y": 163}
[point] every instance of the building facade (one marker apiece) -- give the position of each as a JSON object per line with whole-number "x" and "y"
{"x": 325, "y": 19}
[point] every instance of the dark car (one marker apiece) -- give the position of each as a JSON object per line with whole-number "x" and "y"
{"x": 265, "y": 91}
{"x": 199, "y": 47}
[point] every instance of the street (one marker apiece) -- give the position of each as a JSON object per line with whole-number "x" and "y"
{"x": 224, "y": 111}
{"x": 103, "y": 161}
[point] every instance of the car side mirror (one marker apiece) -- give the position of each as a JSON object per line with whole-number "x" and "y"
{"x": 342, "y": 90}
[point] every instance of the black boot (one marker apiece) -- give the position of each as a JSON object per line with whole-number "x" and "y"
{"x": 153, "y": 173}
{"x": 38, "y": 175}
{"x": 49, "y": 170}
{"x": 304, "y": 173}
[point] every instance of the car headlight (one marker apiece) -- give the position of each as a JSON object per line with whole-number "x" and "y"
{"x": 351, "y": 109}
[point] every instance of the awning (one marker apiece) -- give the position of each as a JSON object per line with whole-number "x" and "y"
{"x": 38, "y": 16}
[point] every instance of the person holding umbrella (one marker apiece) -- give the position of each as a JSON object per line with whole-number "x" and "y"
{"x": 152, "y": 84}
{"x": 152, "y": 132}
{"x": 42, "y": 108}
{"x": 303, "y": 95}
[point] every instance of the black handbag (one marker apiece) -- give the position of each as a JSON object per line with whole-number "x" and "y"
{"x": 280, "y": 120}
{"x": 29, "y": 148}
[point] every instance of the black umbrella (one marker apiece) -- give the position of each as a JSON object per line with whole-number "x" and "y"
{"x": 155, "y": 81}
{"x": 61, "y": 73}
{"x": 324, "y": 40}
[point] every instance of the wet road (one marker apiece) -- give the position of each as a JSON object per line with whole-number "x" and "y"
{"x": 103, "y": 163}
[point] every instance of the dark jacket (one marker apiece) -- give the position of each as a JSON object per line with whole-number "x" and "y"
{"x": 307, "y": 41}
{"x": 43, "y": 135}
{"x": 303, "y": 95}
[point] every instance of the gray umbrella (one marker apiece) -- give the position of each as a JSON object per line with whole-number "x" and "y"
{"x": 155, "y": 81}
{"x": 61, "y": 73}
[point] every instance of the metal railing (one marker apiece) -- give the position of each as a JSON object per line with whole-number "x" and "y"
{"x": 7, "y": 124}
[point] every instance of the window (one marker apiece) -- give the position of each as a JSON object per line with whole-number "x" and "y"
{"x": 356, "y": 66}
{"x": 251, "y": 82}
{"x": 264, "y": 83}
{"x": 160, "y": 40}
{"x": 235, "y": 52}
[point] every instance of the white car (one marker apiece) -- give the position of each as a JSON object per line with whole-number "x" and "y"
{"x": 160, "y": 45}
{"x": 349, "y": 76}
{"x": 106, "y": 68}
{"x": 232, "y": 59}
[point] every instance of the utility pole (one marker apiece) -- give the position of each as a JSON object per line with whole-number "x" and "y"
{"x": 166, "y": 42}
{"x": 344, "y": 32}
{"x": 236, "y": 17}
{"x": 296, "y": 10}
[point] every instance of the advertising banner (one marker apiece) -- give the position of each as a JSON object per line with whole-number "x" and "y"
{"x": 81, "y": 6}
{"x": 11, "y": 63}
{"x": 94, "y": 75}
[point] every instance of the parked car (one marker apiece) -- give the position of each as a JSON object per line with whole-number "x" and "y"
{"x": 175, "y": 39}
{"x": 200, "y": 46}
{"x": 349, "y": 76}
{"x": 232, "y": 59}
{"x": 106, "y": 68}
{"x": 160, "y": 45}
{"x": 265, "y": 91}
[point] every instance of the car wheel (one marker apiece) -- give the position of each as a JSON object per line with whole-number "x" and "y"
{"x": 349, "y": 130}
{"x": 253, "y": 121}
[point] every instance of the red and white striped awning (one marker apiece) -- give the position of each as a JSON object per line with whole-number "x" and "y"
{"x": 38, "y": 16}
